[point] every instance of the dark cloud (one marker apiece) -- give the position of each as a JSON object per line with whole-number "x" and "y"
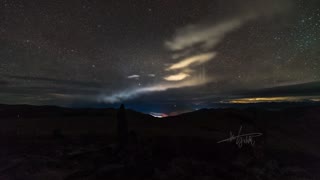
{"x": 4, "y": 83}
{"x": 70, "y": 83}
{"x": 304, "y": 89}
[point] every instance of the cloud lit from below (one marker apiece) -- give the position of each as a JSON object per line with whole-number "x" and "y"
{"x": 271, "y": 99}
{"x": 176, "y": 77}
{"x": 134, "y": 76}
{"x": 158, "y": 115}
{"x": 208, "y": 36}
{"x": 193, "y": 60}
{"x": 135, "y": 92}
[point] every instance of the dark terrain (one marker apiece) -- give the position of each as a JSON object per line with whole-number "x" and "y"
{"x": 48, "y": 142}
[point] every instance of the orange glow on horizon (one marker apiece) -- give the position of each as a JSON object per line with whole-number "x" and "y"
{"x": 271, "y": 99}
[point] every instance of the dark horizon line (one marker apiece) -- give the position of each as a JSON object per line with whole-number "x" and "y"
{"x": 260, "y": 105}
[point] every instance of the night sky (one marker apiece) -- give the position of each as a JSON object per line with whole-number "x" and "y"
{"x": 159, "y": 56}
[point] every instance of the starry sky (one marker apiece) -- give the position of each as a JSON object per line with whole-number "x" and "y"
{"x": 159, "y": 56}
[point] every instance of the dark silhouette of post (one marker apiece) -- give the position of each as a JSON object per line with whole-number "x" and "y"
{"x": 122, "y": 127}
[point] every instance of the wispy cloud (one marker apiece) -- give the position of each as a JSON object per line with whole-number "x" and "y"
{"x": 191, "y": 46}
{"x": 132, "y": 93}
{"x": 205, "y": 35}
{"x": 158, "y": 115}
{"x": 193, "y": 60}
{"x": 134, "y": 76}
{"x": 176, "y": 77}
{"x": 271, "y": 99}
{"x": 185, "y": 39}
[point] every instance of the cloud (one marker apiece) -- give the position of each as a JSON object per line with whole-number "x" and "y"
{"x": 195, "y": 41}
{"x": 54, "y": 81}
{"x": 193, "y": 60}
{"x": 271, "y": 99}
{"x": 134, "y": 76}
{"x": 207, "y": 36}
{"x": 158, "y": 115}
{"x": 132, "y": 93}
{"x": 176, "y": 77}
{"x": 4, "y": 83}
{"x": 195, "y": 44}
